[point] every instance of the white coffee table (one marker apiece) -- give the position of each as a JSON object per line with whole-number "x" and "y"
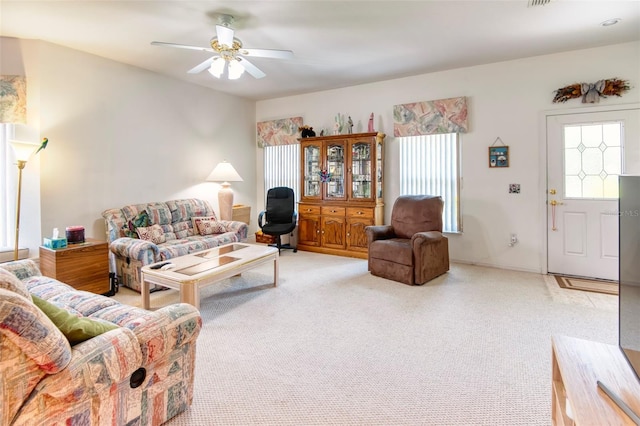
{"x": 193, "y": 272}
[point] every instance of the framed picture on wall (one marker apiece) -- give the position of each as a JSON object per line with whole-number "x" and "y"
{"x": 498, "y": 156}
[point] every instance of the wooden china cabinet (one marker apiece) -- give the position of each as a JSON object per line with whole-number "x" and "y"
{"x": 341, "y": 184}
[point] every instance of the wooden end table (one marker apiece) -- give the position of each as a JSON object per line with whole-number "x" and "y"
{"x": 84, "y": 266}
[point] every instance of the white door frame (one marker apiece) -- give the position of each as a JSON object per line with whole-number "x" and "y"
{"x": 542, "y": 183}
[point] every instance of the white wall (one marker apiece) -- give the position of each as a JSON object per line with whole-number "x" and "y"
{"x": 120, "y": 135}
{"x": 505, "y": 100}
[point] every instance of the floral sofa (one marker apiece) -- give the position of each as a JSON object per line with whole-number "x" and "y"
{"x": 140, "y": 372}
{"x": 141, "y": 234}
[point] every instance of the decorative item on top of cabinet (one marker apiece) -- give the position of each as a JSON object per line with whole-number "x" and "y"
{"x": 341, "y": 192}
{"x": 306, "y": 131}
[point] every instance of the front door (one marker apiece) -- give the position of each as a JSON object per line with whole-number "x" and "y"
{"x": 585, "y": 154}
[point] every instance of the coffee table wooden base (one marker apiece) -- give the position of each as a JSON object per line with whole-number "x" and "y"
{"x": 190, "y": 286}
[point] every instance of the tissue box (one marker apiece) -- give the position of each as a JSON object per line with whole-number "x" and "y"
{"x": 55, "y": 243}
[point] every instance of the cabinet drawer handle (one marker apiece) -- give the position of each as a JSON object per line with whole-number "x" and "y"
{"x": 360, "y": 212}
{"x": 333, "y": 211}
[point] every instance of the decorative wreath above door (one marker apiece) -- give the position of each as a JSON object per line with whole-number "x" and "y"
{"x": 592, "y": 92}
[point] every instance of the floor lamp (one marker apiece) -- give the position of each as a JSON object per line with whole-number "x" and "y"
{"x": 23, "y": 151}
{"x": 225, "y": 173}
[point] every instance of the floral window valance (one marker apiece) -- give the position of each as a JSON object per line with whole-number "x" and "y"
{"x": 13, "y": 99}
{"x": 278, "y": 132}
{"x": 430, "y": 117}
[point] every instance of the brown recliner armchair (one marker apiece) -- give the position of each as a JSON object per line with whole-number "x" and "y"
{"x": 412, "y": 250}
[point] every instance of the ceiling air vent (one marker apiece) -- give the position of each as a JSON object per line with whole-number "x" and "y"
{"x": 533, "y": 3}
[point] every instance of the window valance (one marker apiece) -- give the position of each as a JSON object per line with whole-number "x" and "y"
{"x": 278, "y": 132}
{"x": 430, "y": 117}
{"x": 13, "y": 99}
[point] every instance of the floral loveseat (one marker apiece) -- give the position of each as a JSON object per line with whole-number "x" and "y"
{"x": 140, "y": 372}
{"x": 141, "y": 234}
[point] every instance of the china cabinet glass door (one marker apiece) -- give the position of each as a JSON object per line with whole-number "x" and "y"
{"x": 311, "y": 155}
{"x": 361, "y": 170}
{"x": 335, "y": 171}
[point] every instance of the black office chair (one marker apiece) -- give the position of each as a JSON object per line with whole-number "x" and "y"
{"x": 280, "y": 215}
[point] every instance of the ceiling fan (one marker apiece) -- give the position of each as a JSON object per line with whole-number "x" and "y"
{"x": 229, "y": 53}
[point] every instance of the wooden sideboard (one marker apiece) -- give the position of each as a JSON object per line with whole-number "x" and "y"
{"x": 577, "y": 366}
{"x": 341, "y": 192}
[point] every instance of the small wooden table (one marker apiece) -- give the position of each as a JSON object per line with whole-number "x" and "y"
{"x": 193, "y": 272}
{"x": 241, "y": 213}
{"x": 84, "y": 266}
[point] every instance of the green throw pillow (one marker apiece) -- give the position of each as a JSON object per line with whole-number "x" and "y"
{"x": 76, "y": 329}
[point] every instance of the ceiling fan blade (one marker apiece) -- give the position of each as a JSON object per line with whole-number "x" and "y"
{"x": 250, "y": 68}
{"x": 267, "y": 53}
{"x": 225, "y": 35}
{"x": 182, "y": 46}
{"x": 203, "y": 66}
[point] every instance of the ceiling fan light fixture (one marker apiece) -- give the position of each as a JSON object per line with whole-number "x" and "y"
{"x": 217, "y": 67}
{"x": 228, "y": 49}
{"x": 235, "y": 69}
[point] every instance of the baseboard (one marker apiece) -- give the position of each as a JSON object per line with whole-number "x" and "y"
{"x": 492, "y": 265}
{"x": 6, "y": 255}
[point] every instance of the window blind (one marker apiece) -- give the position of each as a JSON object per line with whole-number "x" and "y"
{"x": 8, "y": 182}
{"x": 282, "y": 167}
{"x": 429, "y": 164}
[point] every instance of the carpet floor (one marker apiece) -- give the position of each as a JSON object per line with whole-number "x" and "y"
{"x": 334, "y": 345}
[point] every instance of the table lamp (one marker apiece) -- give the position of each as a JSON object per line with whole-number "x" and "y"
{"x": 225, "y": 173}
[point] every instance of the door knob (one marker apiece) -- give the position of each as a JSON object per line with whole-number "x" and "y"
{"x": 552, "y": 191}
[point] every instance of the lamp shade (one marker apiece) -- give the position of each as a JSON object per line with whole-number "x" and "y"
{"x": 235, "y": 70}
{"x": 23, "y": 150}
{"x": 217, "y": 67}
{"x": 224, "y": 172}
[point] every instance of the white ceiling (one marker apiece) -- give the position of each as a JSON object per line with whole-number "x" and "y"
{"x": 335, "y": 43}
